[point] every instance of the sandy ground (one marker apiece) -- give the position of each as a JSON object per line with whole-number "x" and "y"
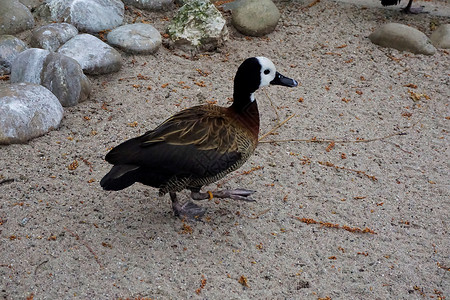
{"x": 63, "y": 237}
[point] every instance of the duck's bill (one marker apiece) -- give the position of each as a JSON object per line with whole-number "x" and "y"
{"x": 283, "y": 80}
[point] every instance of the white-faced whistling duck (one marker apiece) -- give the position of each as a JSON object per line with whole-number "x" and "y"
{"x": 198, "y": 145}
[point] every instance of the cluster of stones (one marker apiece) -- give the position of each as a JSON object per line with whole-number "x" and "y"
{"x": 49, "y": 72}
{"x": 406, "y": 38}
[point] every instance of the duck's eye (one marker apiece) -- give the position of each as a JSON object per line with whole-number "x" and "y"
{"x": 267, "y": 71}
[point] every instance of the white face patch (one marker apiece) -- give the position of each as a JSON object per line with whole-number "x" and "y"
{"x": 267, "y": 71}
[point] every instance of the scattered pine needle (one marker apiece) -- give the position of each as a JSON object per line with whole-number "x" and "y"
{"x": 358, "y": 140}
{"x": 219, "y": 3}
{"x": 276, "y": 127}
{"x": 314, "y": 140}
{"x": 273, "y": 106}
{"x": 86, "y": 245}
{"x": 337, "y": 226}
{"x": 256, "y": 216}
{"x": 202, "y": 285}
{"x": 329, "y": 164}
{"x": 314, "y": 2}
{"x": 244, "y": 281}
{"x": 253, "y": 169}
{"x": 443, "y": 267}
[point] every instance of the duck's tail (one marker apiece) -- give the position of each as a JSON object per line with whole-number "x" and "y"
{"x": 120, "y": 177}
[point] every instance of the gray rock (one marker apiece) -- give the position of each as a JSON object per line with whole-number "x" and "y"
{"x": 94, "y": 56}
{"x": 10, "y": 46}
{"x": 27, "y": 111}
{"x": 31, "y": 4}
{"x": 52, "y": 36}
{"x": 136, "y": 38}
{"x": 14, "y": 17}
{"x": 150, "y": 4}
{"x": 60, "y": 74}
{"x": 441, "y": 37}
{"x": 198, "y": 25}
{"x": 403, "y": 38}
{"x": 28, "y": 65}
{"x": 88, "y": 15}
{"x": 255, "y": 17}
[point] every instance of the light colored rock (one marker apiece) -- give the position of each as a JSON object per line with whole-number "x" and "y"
{"x": 94, "y": 56}
{"x": 198, "y": 25}
{"x": 52, "y": 36}
{"x": 14, "y": 17}
{"x": 441, "y": 37}
{"x": 136, "y": 38}
{"x": 10, "y": 47}
{"x": 28, "y": 65}
{"x": 403, "y": 38}
{"x": 255, "y": 17}
{"x": 60, "y": 74}
{"x": 150, "y": 4}
{"x": 31, "y": 4}
{"x": 88, "y": 15}
{"x": 27, "y": 111}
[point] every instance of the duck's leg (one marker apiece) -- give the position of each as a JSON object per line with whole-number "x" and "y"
{"x": 237, "y": 194}
{"x": 409, "y": 10}
{"x": 187, "y": 210}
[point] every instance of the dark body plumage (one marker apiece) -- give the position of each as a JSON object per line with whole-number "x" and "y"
{"x": 407, "y": 9}
{"x": 389, "y": 2}
{"x": 195, "y": 147}
{"x": 198, "y": 145}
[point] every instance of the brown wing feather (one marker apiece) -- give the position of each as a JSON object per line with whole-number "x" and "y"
{"x": 206, "y": 127}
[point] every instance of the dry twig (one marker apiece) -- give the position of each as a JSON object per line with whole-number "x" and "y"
{"x": 85, "y": 244}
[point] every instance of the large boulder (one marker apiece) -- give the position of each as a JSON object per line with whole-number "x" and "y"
{"x": 255, "y": 17}
{"x": 27, "y": 111}
{"x": 60, "y": 74}
{"x": 52, "y": 36}
{"x": 403, "y": 38}
{"x": 14, "y": 17}
{"x": 198, "y": 25}
{"x": 88, "y": 15}
{"x": 94, "y": 56}
{"x": 10, "y": 47}
{"x": 136, "y": 38}
{"x": 441, "y": 37}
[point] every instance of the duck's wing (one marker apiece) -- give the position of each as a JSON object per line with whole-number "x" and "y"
{"x": 199, "y": 141}
{"x": 207, "y": 127}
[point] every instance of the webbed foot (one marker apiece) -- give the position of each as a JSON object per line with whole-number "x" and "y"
{"x": 188, "y": 210}
{"x": 237, "y": 194}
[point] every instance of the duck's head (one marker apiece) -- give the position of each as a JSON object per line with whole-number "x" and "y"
{"x": 254, "y": 73}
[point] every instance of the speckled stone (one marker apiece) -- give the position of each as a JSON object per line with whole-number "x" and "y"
{"x": 441, "y": 37}
{"x": 403, "y": 38}
{"x": 94, "y": 56}
{"x": 14, "y": 17}
{"x": 88, "y": 15}
{"x": 255, "y": 17}
{"x": 10, "y": 47}
{"x": 52, "y": 36}
{"x": 60, "y": 74}
{"x": 198, "y": 25}
{"x": 27, "y": 111}
{"x": 136, "y": 38}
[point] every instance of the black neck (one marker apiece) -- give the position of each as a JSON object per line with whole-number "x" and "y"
{"x": 241, "y": 101}
{"x": 247, "y": 111}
